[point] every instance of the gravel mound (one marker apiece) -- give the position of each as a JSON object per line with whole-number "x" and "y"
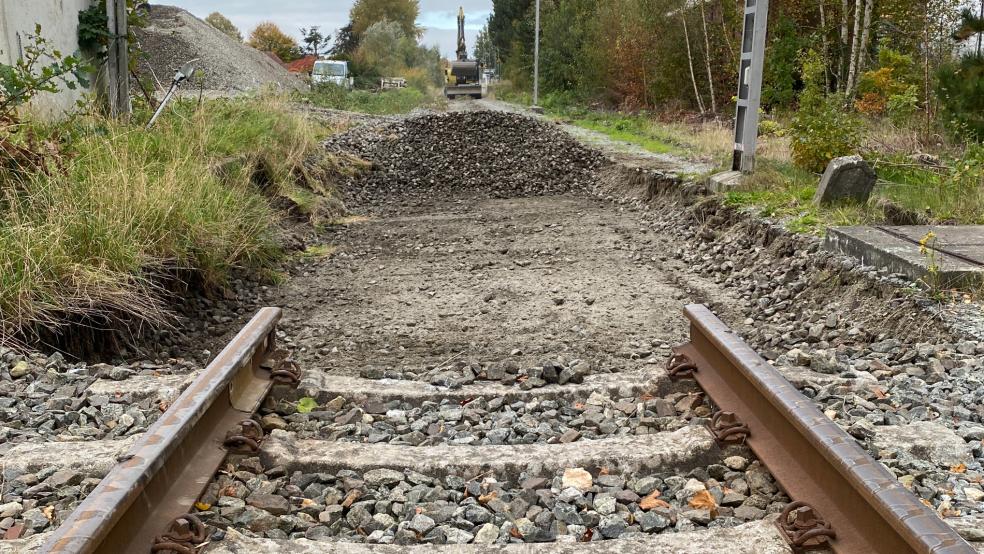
{"x": 493, "y": 421}
{"x": 173, "y": 37}
{"x": 495, "y": 153}
{"x": 405, "y": 507}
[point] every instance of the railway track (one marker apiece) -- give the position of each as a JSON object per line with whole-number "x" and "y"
{"x": 186, "y": 484}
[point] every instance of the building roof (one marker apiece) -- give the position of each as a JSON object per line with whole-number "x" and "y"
{"x": 303, "y": 65}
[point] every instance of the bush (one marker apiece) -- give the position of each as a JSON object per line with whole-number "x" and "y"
{"x": 823, "y": 132}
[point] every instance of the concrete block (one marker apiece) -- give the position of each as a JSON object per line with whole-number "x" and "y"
{"x": 848, "y": 178}
{"x": 724, "y": 181}
{"x": 957, "y": 251}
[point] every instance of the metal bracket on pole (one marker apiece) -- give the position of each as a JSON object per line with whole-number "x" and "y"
{"x": 750, "y": 84}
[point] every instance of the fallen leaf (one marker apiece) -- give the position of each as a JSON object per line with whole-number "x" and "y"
{"x": 306, "y": 405}
{"x": 587, "y": 535}
{"x": 307, "y": 502}
{"x": 878, "y": 392}
{"x": 959, "y": 468}
{"x": 604, "y": 471}
{"x": 49, "y": 512}
{"x": 202, "y": 506}
{"x": 486, "y": 498}
{"x": 653, "y": 501}
{"x": 704, "y": 501}
{"x": 514, "y": 531}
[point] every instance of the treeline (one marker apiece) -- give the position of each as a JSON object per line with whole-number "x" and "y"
{"x": 893, "y": 58}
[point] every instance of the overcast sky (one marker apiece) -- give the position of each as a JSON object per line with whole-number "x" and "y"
{"x": 438, "y": 17}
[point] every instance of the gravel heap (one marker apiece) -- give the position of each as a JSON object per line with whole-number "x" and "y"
{"x": 173, "y": 37}
{"x": 493, "y": 153}
{"x": 47, "y": 399}
{"x": 493, "y": 421}
{"x": 405, "y": 507}
{"x": 558, "y": 371}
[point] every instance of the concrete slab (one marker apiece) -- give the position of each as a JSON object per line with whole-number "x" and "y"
{"x": 677, "y": 451}
{"x": 958, "y": 251}
{"x": 324, "y": 386}
{"x": 759, "y": 537}
{"x": 724, "y": 181}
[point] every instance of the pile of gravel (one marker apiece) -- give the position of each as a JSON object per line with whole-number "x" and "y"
{"x": 173, "y": 37}
{"x": 405, "y": 507}
{"x": 494, "y": 421}
{"x": 493, "y": 153}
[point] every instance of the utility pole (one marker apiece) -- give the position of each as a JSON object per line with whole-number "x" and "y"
{"x": 750, "y": 84}
{"x": 536, "y": 61}
{"x": 117, "y": 60}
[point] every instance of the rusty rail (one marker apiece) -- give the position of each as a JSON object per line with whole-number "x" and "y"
{"x": 165, "y": 472}
{"x": 857, "y": 504}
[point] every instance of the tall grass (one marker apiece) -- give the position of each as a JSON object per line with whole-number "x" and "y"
{"x": 131, "y": 211}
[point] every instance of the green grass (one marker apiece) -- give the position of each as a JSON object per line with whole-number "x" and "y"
{"x": 631, "y": 129}
{"x": 388, "y": 102}
{"x": 123, "y": 211}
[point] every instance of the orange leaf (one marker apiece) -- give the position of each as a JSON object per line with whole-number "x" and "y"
{"x": 704, "y": 501}
{"x": 514, "y": 531}
{"x": 959, "y": 468}
{"x": 202, "y": 506}
{"x": 485, "y": 498}
{"x": 653, "y": 501}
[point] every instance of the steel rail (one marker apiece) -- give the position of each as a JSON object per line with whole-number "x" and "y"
{"x": 810, "y": 456}
{"x": 167, "y": 469}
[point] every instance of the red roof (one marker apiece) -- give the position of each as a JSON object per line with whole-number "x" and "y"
{"x": 303, "y": 65}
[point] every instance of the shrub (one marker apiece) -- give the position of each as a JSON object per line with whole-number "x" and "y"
{"x": 823, "y": 132}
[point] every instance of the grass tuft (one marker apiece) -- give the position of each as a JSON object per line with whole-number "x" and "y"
{"x": 134, "y": 211}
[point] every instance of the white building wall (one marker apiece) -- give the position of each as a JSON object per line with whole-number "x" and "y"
{"x": 59, "y": 21}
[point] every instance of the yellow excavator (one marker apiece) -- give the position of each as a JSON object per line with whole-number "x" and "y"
{"x": 463, "y": 77}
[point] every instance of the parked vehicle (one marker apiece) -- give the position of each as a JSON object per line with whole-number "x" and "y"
{"x": 463, "y": 77}
{"x": 335, "y": 72}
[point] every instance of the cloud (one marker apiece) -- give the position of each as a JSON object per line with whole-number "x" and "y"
{"x": 439, "y": 21}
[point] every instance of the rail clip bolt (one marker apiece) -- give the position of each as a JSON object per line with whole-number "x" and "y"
{"x": 183, "y": 536}
{"x": 680, "y": 366}
{"x": 727, "y": 428}
{"x": 248, "y": 440}
{"x": 807, "y": 531}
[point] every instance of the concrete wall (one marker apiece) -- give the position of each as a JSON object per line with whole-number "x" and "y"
{"x": 59, "y": 21}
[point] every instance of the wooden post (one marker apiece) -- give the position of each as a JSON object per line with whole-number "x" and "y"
{"x": 117, "y": 60}
{"x": 112, "y": 63}
{"x": 123, "y": 59}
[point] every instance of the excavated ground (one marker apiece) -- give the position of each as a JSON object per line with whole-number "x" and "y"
{"x": 518, "y": 324}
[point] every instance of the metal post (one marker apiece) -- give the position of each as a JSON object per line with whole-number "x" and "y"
{"x": 536, "y": 58}
{"x": 750, "y": 84}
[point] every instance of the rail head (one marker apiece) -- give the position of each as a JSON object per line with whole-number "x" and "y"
{"x": 92, "y": 521}
{"x": 826, "y": 444}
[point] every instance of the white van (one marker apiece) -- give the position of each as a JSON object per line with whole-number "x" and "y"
{"x": 332, "y": 71}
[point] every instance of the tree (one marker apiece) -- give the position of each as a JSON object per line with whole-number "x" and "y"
{"x": 961, "y": 84}
{"x": 267, "y": 37}
{"x": 222, "y": 23}
{"x": 314, "y": 41}
{"x": 345, "y": 43}
{"x": 404, "y": 13}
